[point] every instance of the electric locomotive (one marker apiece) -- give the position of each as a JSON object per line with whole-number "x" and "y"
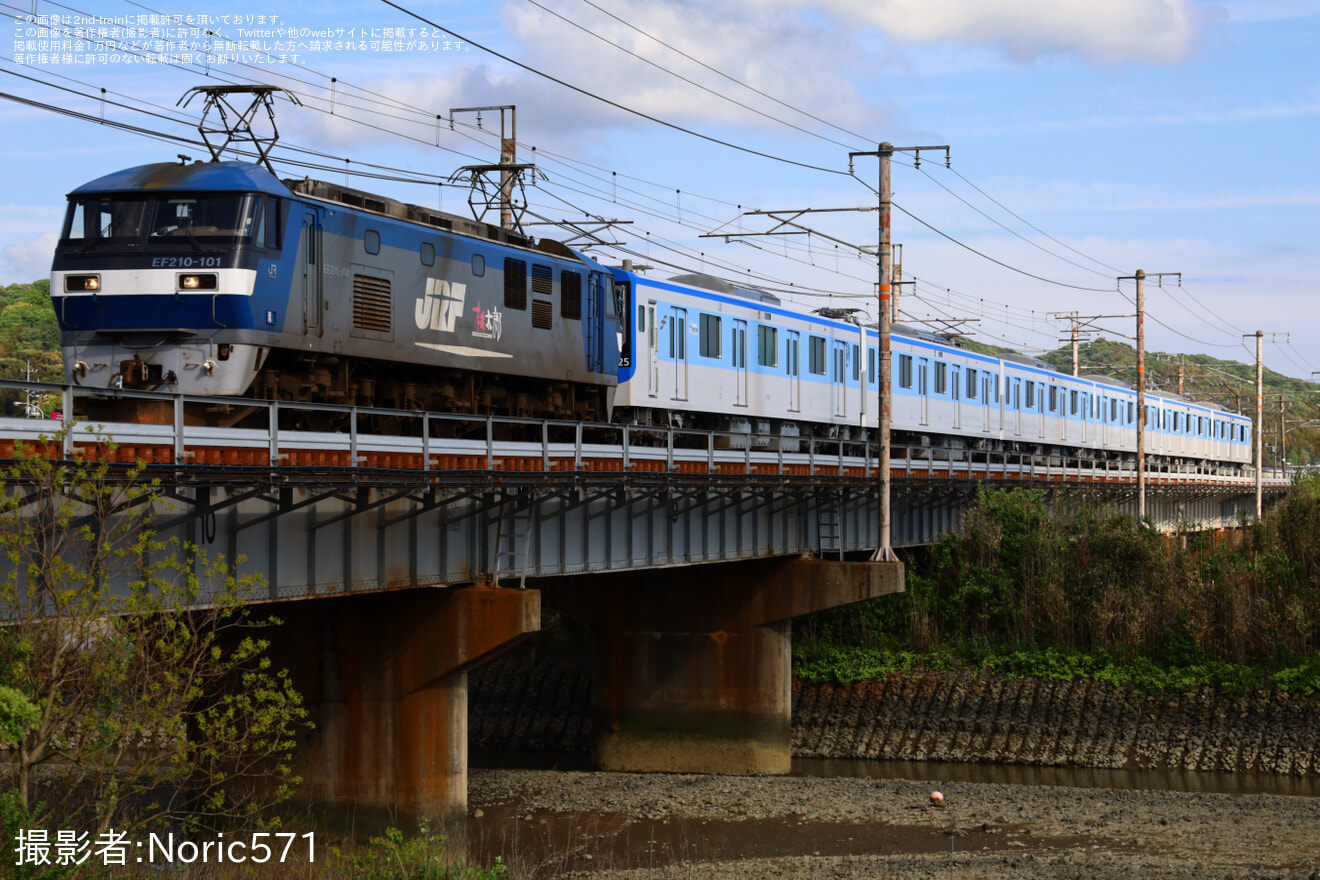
{"x": 218, "y": 278}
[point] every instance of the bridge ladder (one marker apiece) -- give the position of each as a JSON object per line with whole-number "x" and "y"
{"x": 828, "y": 529}
{"x": 514, "y": 545}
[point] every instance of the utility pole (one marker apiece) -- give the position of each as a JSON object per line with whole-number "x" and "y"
{"x": 885, "y": 152}
{"x": 1260, "y": 408}
{"x": 508, "y": 166}
{"x": 1140, "y": 278}
{"x": 1182, "y": 368}
{"x": 1078, "y": 325}
{"x": 898, "y": 280}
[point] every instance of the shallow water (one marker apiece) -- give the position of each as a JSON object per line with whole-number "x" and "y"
{"x": 949, "y": 771}
{"x": 1076, "y": 777}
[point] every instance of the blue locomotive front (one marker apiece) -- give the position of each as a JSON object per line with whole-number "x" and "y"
{"x": 219, "y": 279}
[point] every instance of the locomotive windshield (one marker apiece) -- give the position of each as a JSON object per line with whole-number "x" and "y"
{"x": 169, "y": 219}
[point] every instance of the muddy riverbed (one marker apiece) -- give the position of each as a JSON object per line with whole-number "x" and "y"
{"x": 613, "y": 826}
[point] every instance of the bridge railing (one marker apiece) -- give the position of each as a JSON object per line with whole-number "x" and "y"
{"x": 304, "y": 435}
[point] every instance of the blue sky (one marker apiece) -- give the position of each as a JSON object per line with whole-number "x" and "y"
{"x": 1088, "y": 140}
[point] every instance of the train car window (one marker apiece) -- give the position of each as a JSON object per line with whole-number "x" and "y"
{"x": 1130, "y": 411}
{"x": 1031, "y": 394}
{"x": 941, "y": 377}
{"x": 816, "y": 353}
{"x": 904, "y": 370}
{"x": 1072, "y": 402}
{"x": 570, "y": 295}
{"x": 791, "y": 354}
{"x": 543, "y": 283}
{"x": 710, "y": 336}
{"x": 921, "y": 377}
{"x": 478, "y": 265}
{"x": 856, "y": 364}
{"x": 428, "y": 253}
{"x": 371, "y": 241}
{"x": 971, "y": 384}
{"x": 1200, "y": 426}
{"x": 1054, "y": 398}
{"x": 871, "y": 372}
{"x": 515, "y": 284}
{"x": 767, "y": 346}
{"x": 641, "y": 319}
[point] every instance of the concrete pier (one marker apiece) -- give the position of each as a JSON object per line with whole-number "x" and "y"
{"x": 693, "y": 664}
{"x": 384, "y": 677}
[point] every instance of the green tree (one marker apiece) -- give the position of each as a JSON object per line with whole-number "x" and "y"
{"x": 142, "y": 695}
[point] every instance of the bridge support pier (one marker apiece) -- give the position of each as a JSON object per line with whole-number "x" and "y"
{"x": 693, "y": 664}
{"x": 384, "y": 676}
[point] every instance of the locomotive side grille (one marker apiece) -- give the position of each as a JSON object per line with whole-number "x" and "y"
{"x": 542, "y": 280}
{"x": 371, "y": 303}
{"x": 570, "y": 296}
{"x": 515, "y": 284}
{"x": 543, "y": 314}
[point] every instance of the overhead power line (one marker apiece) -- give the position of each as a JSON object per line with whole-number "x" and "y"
{"x": 616, "y": 105}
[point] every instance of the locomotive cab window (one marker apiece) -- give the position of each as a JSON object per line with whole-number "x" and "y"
{"x": 478, "y": 265}
{"x": 371, "y": 241}
{"x": 428, "y": 253}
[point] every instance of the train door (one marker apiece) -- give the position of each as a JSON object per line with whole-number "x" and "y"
{"x": 652, "y": 352}
{"x": 311, "y": 276}
{"x": 955, "y": 386}
{"x": 986, "y": 379}
{"x": 839, "y": 376}
{"x": 791, "y": 368}
{"x": 595, "y": 329}
{"x": 1082, "y": 418}
{"x": 739, "y": 352}
{"x": 923, "y": 388}
{"x": 1016, "y": 403}
{"x": 678, "y": 351}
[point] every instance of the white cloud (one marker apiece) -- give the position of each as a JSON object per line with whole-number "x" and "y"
{"x": 1105, "y": 33}
{"x": 22, "y": 263}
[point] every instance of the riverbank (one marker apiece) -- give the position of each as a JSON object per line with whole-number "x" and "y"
{"x": 610, "y": 826}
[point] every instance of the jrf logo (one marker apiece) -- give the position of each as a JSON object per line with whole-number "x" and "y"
{"x": 440, "y": 306}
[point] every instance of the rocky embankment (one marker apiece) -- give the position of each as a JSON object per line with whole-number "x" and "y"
{"x": 525, "y": 702}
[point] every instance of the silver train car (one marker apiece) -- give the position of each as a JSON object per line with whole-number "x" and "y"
{"x": 700, "y": 352}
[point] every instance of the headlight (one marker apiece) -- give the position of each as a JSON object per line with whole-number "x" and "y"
{"x": 197, "y": 282}
{"x": 82, "y": 282}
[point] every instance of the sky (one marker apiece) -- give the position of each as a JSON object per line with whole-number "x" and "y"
{"x": 1085, "y": 140}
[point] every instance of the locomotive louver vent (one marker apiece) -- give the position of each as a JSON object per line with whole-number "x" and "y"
{"x": 570, "y": 296}
{"x": 515, "y": 284}
{"x": 542, "y": 280}
{"x": 371, "y": 303}
{"x": 543, "y": 314}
